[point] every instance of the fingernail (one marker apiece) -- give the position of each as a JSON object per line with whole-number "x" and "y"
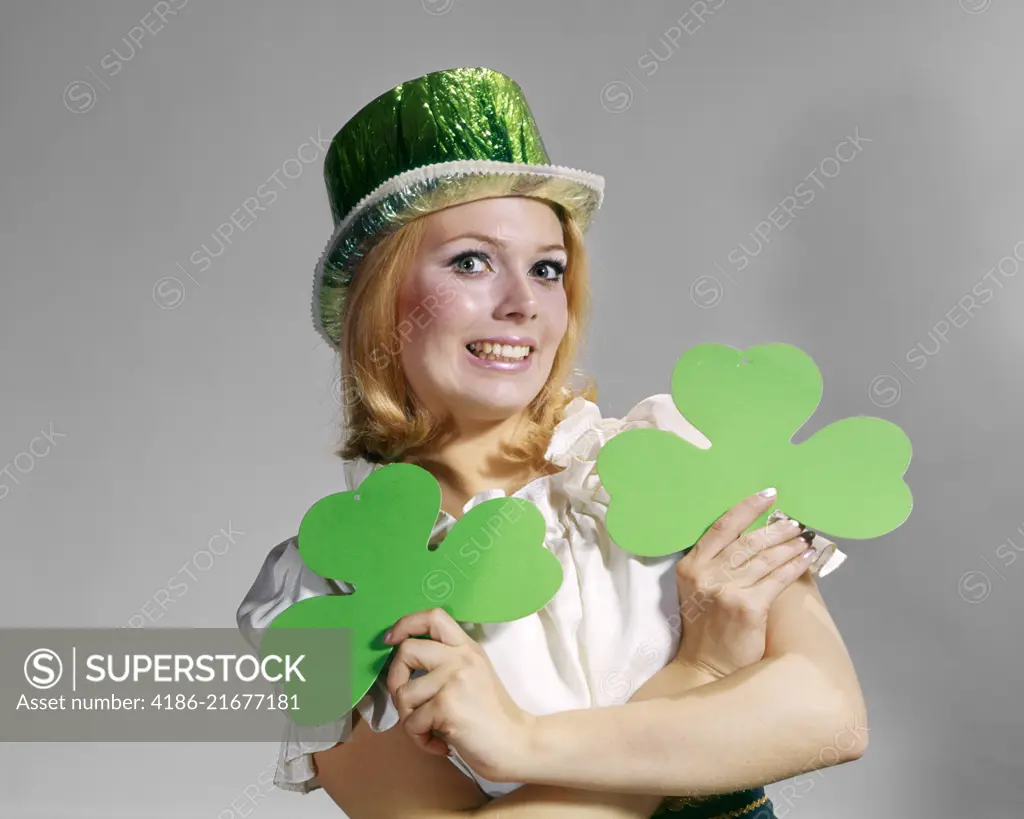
{"x": 808, "y": 535}
{"x": 387, "y": 636}
{"x": 770, "y": 492}
{"x": 807, "y": 554}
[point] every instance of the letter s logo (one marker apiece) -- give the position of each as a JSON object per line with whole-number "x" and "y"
{"x": 43, "y": 668}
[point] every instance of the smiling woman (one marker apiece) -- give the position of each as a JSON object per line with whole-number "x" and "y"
{"x": 455, "y": 290}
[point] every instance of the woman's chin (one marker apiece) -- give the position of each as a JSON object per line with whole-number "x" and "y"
{"x": 492, "y": 405}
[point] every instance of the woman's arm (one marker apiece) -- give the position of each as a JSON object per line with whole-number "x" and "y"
{"x": 800, "y": 708}
{"x": 778, "y": 717}
{"x": 720, "y": 761}
{"x": 533, "y": 801}
{"x": 381, "y": 775}
{"x": 385, "y": 774}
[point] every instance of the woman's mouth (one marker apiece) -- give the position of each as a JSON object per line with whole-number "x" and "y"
{"x": 499, "y": 352}
{"x": 504, "y": 357}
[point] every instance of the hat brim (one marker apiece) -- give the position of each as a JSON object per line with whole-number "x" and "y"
{"x": 422, "y": 190}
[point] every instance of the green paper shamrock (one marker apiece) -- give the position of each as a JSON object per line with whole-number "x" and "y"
{"x": 491, "y": 567}
{"x": 846, "y": 480}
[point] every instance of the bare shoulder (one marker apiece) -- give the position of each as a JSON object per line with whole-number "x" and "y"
{"x": 384, "y": 774}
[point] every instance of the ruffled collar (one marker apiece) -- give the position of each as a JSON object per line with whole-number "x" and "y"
{"x": 574, "y": 445}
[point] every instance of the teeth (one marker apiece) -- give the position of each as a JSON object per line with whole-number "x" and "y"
{"x": 496, "y": 352}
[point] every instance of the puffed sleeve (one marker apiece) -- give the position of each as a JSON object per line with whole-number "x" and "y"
{"x": 285, "y": 579}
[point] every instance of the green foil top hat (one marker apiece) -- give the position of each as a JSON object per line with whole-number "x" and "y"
{"x": 440, "y": 140}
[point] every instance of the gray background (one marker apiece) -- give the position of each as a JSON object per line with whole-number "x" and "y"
{"x": 176, "y": 421}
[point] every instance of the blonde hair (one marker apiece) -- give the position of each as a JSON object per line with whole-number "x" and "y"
{"x": 384, "y": 420}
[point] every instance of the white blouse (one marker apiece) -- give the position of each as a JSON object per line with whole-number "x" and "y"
{"x": 611, "y": 625}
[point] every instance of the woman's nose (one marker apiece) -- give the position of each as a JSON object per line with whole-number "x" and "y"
{"x": 519, "y": 296}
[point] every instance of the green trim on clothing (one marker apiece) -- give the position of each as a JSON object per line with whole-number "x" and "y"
{"x": 748, "y": 804}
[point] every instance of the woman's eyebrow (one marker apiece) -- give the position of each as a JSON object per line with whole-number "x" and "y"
{"x": 496, "y": 242}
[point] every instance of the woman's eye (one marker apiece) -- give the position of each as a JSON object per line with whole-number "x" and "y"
{"x": 467, "y": 262}
{"x": 555, "y": 270}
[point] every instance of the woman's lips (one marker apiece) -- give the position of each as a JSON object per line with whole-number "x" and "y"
{"x": 504, "y": 366}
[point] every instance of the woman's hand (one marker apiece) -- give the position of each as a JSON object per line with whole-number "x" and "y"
{"x": 460, "y": 697}
{"x": 728, "y": 581}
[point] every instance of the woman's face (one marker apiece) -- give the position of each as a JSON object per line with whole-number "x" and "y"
{"x": 486, "y": 271}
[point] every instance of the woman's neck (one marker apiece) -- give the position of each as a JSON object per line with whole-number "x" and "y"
{"x": 473, "y": 460}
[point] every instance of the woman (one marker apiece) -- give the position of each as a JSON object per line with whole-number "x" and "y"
{"x": 455, "y": 289}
